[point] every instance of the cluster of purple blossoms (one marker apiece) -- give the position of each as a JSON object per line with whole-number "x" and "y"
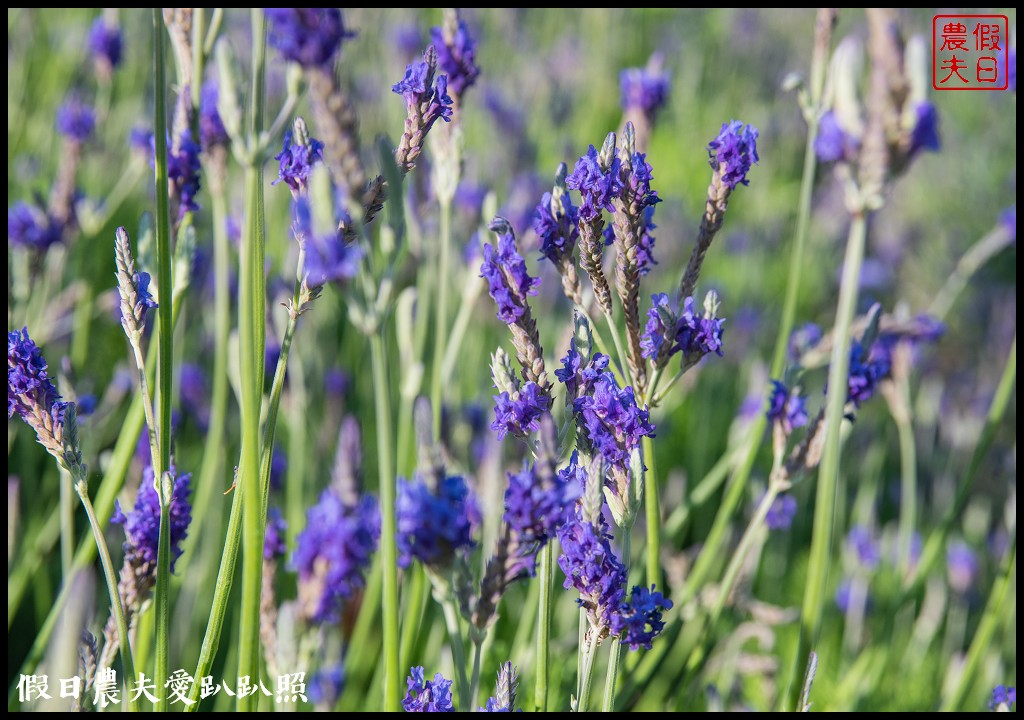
{"x": 183, "y": 169}
{"x": 427, "y": 695}
{"x": 105, "y": 42}
{"x": 308, "y": 36}
{"x": 781, "y": 513}
{"x": 334, "y": 550}
{"x": 787, "y": 407}
{"x": 30, "y": 227}
{"x": 613, "y": 423}
{"x": 733, "y": 152}
{"x": 326, "y": 684}
{"x": 329, "y": 258}
{"x": 75, "y": 120}
{"x": 142, "y": 524}
{"x": 598, "y": 186}
{"x": 578, "y": 374}
{"x": 832, "y": 142}
{"x": 432, "y": 524}
{"x": 273, "y": 539}
{"x": 211, "y": 128}
{"x": 297, "y": 161}
{"x": 505, "y": 690}
{"x": 458, "y": 59}
{"x": 556, "y": 224}
{"x": 692, "y": 334}
{"x": 425, "y": 94}
{"x": 644, "y": 89}
{"x": 638, "y": 197}
{"x": 519, "y": 413}
{"x": 29, "y": 388}
{"x": 1002, "y": 695}
{"x": 925, "y": 135}
{"x": 867, "y": 369}
{"x": 639, "y": 621}
{"x": 508, "y": 282}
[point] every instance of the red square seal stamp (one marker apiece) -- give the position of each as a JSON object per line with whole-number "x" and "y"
{"x": 970, "y": 52}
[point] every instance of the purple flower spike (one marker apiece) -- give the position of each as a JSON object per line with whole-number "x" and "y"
{"x": 733, "y": 152}
{"x": 433, "y": 525}
{"x": 559, "y": 232}
{"x": 639, "y": 621}
{"x": 29, "y": 388}
{"x": 781, "y": 513}
{"x": 297, "y": 162}
{"x": 76, "y": 120}
{"x": 105, "y": 42}
{"x": 211, "y": 127}
{"x": 420, "y": 90}
{"x": 786, "y": 407}
{"x": 457, "y": 59}
{"x": 598, "y": 186}
{"x": 508, "y": 281}
{"x": 309, "y": 36}
{"x": 183, "y": 168}
{"x": 1002, "y": 695}
{"x": 644, "y": 89}
{"x": 427, "y": 695}
{"x": 142, "y": 524}
{"x": 31, "y": 227}
{"x": 697, "y": 335}
{"x": 520, "y": 416}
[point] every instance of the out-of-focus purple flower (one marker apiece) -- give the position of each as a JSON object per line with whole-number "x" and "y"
{"x": 660, "y": 328}
{"x": 639, "y": 621}
{"x": 644, "y": 89}
{"x": 273, "y": 540}
{"x": 507, "y": 279}
{"x": 142, "y": 524}
{"x": 308, "y": 36}
{"x": 458, "y": 58}
{"x": 847, "y": 592}
{"x": 333, "y": 552}
{"x": 421, "y": 90}
{"x": 519, "y": 415}
{"x": 786, "y": 407}
{"x": 427, "y": 695}
{"x": 733, "y": 152}
{"x": 925, "y": 135}
{"x": 326, "y": 684}
{"x": 781, "y": 513}
{"x": 105, "y": 42}
{"x": 336, "y": 382}
{"x": 1008, "y": 219}
{"x": 297, "y": 161}
{"x": 598, "y": 186}
{"x": 195, "y": 398}
{"x": 76, "y": 120}
{"x": 30, "y": 227}
{"x": 408, "y": 39}
{"x": 86, "y": 405}
{"x": 504, "y": 699}
{"x": 803, "y": 339}
{"x": 183, "y": 169}
{"x": 962, "y": 566}
{"x": 329, "y": 258}
{"x": 433, "y": 524}
{"x": 865, "y": 374}
{"x": 278, "y": 467}
{"x": 535, "y": 511}
{"x": 832, "y": 142}
{"x": 211, "y": 127}
{"x": 1011, "y": 69}
{"x": 864, "y": 546}
{"x": 1002, "y": 695}
{"x": 140, "y": 140}
{"x": 469, "y": 197}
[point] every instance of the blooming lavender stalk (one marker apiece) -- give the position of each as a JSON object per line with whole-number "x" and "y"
{"x": 310, "y": 37}
{"x": 106, "y": 46}
{"x": 597, "y": 177}
{"x": 505, "y": 690}
{"x": 31, "y": 227}
{"x": 644, "y": 93}
{"x": 183, "y": 170}
{"x": 133, "y": 288}
{"x": 427, "y": 695}
{"x": 297, "y": 158}
{"x": 518, "y": 407}
{"x": 434, "y": 523}
{"x": 456, "y": 55}
{"x": 731, "y": 155}
{"x": 331, "y": 257}
{"x": 556, "y": 222}
{"x": 786, "y": 407}
{"x": 76, "y": 122}
{"x": 32, "y": 395}
{"x": 1002, "y": 698}
{"x": 426, "y": 100}
{"x": 510, "y": 285}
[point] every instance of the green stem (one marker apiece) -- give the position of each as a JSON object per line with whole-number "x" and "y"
{"x": 653, "y": 513}
{"x": 474, "y": 680}
{"x": 161, "y": 458}
{"x": 908, "y": 474}
{"x": 545, "y": 577}
{"x": 587, "y": 672}
{"x": 990, "y": 622}
{"x": 415, "y": 603}
{"x": 828, "y": 471}
{"x": 441, "y": 317}
{"x": 67, "y": 526}
{"x": 389, "y": 551}
{"x": 620, "y": 353}
{"x": 616, "y": 649}
{"x": 251, "y": 345}
{"x": 451, "y": 619}
{"x": 115, "y": 597}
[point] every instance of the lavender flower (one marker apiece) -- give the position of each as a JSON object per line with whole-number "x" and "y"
{"x": 598, "y": 183}
{"x": 76, "y": 120}
{"x": 698, "y": 335}
{"x": 30, "y": 391}
{"x": 432, "y": 524}
{"x": 555, "y": 222}
{"x": 659, "y": 333}
{"x": 183, "y": 168}
{"x": 309, "y": 36}
{"x": 866, "y": 371}
{"x": 140, "y": 140}
{"x": 1002, "y": 695}
{"x": 639, "y": 621}
{"x": 297, "y": 161}
{"x": 332, "y": 553}
{"x": 426, "y": 100}
{"x": 326, "y": 684}
{"x": 456, "y": 54}
{"x": 504, "y": 699}
{"x": 864, "y": 546}
{"x": 427, "y": 696}
{"x": 30, "y": 227}
{"x": 106, "y": 43}
{"x": 781, "y": 513}
{"x": 612, "y": 422}
{"x": 733, "y": 151}
{"x": 644, "y": 89}
{"x": 211, "y": 128}
{"x": 534, "y": 509}
{"x": 803, "y": 339}
{"x": 508, "y": 281}
{"x": 578, "y": 374}
{"x": 786, "y": 407}
{"x": 925, "y": 135}
{"x": 329, "y": 257}
{"x": 273, "y": 540}
{"x": 520, "y": 412}
{"x": 962, "y": 565}
{"x": 142, "y": 524}
{"x": 592, "y": 569}
{"x": 832, "y": 142}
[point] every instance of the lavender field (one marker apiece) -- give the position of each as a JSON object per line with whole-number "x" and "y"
{"x": 511, "y": 360}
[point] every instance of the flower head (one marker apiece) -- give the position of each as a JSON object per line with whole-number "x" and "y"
{"x": 142, "y": 523}
{"x": 639, "y": 621}
{"x": 105, "y": 42}
{"x": 781, "y": 513}
{"x": 427, "y": 695}
{"x": 273, "y": 540}
{"x": 1002, "y": 695}
{"x": 925, "y": 135}
{"x": 864, "y": 546}
{"x": 520, "y": 412}
{"x": 504, "y": 699}
{"x": 456, "y": 55}
{"x": 297, "y": 161}
{"x": 326, "y": 684}
{"x": 787, "y": 407}
{"x": 733, "y": 151}
{"x": 613, "y": 423}
{"x": 30, "y": 227}
{"x": 592, "y": 569}
{"x": 434, "y": 523}
{"x": 420, "y": 90}
{"x": 507, "y": 279}
{"x": 76, "y": 120}
{"x": 644, "y": 89}
{"x": 29, "y": 388}
{"x": 697, "y": 335}
{"x": 211, "y": 127}
{"x": 309, "y": 36}
{"x": 598, "y": 183}
{"x": 832, "y": 142}
{"x": 332, "y": 553}
{"x": 533, "y": 509}
{"x": 183, "y": 168}
{"x": 556, "y": 224}
{"x": 330, "y": 257}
